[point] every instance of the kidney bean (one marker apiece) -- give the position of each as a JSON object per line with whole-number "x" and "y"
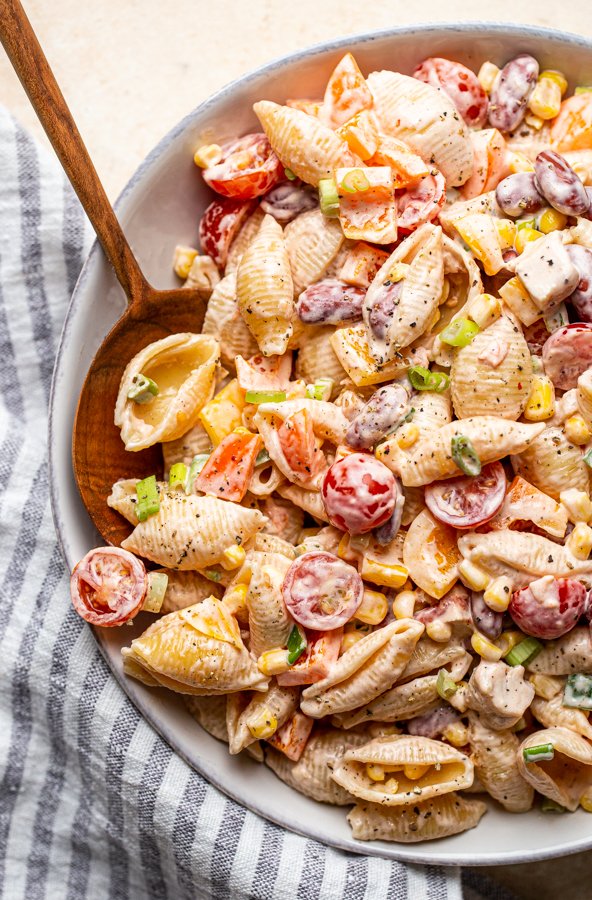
{"x": 386, "y": 533}
{"x": 383, "y": 412}
{"x": 386, "y": 299}
{"x": 511, "y": 92}
{"x": 459, "y": 83}
{"x": 287, "y": 200}
{"x": 433, "y": 724}
{"x": 549, "y": 607}
{"x": 420, "y": 203}
{"x": 581, "y": 298}
{"x": 567, "y": 353}
{"x": 486, "y": 620}
{"x": 518, "y": 195}
{"x": 588, "y": 215}
{"x": 559, "y": 184}
{"x": 330, "y": 302}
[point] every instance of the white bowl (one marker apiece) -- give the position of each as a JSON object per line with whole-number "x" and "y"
{"x": 160, "y": 208}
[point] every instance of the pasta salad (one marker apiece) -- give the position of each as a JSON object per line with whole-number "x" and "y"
{"x": 368, "y": 550}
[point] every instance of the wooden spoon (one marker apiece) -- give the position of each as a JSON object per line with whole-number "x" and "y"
{"x": 98, "y": 454}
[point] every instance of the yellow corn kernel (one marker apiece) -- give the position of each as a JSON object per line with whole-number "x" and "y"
{"x": 487, "y": 75}
{"x": 407, "y": 435}
{"x": 541, "y": 400}
{"x": 233, "y": 557}
{"x": 545, "y": 100}
{"x": 576, "y": 430}
{"x": 415, "y": 772}
{"x": 473, "y": 576}
{"x": 182, "y": 260}
{"x": 545, "y": 686}
{"x": 577, "y": 504}
{"x": 485, "y": 648}
{"x": 525, "y": 236}
{"x": 498, "y": 594}
{"x": 386, "y": 575}
{"x": 224, "y": 412}
{"x": 373, "y": 608}
{"x": 439, "y": 631}
{"x": 580, "y": 541}
{"x": 235, "y": 599}
{"x": 558, "y": 77}
{"x": 264, "y": 725}
{"x": 391, "y": 785}
{"x": 534, "y": 121}
{"x": 519, "y": 162}
{"x": 208, "y": 155}
{"x": 273, "y": 662}
{"x": 508, "y": 640}
{"x": 551, "y": 220}
{"x": 586, "y": 801}
{"x": 404, "y": 605}
{"x": 374, "y": 772}
{"x": 349, "y": 639}
{"x": 485, "y": 309}
{"x": 380, "y": 729}
{"x": 456, "y": 734}
{"x": 506, "y": 232}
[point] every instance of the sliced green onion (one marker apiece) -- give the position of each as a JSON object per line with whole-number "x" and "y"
{"x": 212, "y": 575}
{"x": 524, "y": 652}
{"x": 557, "y": 319}
{"x": 157, "y": 585}
{"x": 526, "y": 223}
{"x": 290, "y": 175}
{"x": 320, "y": 390}
{"x": 296, "y": 645}
{"x": 197, "y": 464}
{"x": 265, "y": 396}
{"x": 445, "y": 685}
{"x": 459, "y": 333}
{"x": 588, "y": 458}
{"x": 143, "y": 389}
{"x": 262, "y": 457}
{"x": 178, "y": 475}
{"x": 549, "y": 805}
{"x": 328, "y": 198}
{"x": 424, "y": 380}
{"x": 355, "y": 180}
{"x": 583, "y": 89}
{"x": 578, "y": 691}
{"x": 465, "y": 455}
{"x": 539, "y": 753}
{"x": 148, "y": 498}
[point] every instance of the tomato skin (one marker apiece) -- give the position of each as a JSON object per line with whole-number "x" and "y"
{"x": 321, "y": 654}
{"x": 108, "y": 586}
{"x": 421, "y": 203}
{"x": 248, "y": 168}
{"x": 230, "y": 467}
{"x": 567, "y": 353}
{"x": 477, "y": 499}
{"x": 321, "y": 591}
{"x": 563, "y": 602}
{"x": 219, "y": 226}
{"x": 299, "y": 445}
{"x": 460, "y": 84}
{"x": 359, "y": 493}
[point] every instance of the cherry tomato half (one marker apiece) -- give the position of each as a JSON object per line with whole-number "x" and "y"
{"x": 549, "y": 607}
{"x": 321, "y": 591}
{"x": 468, "y": 501}
{"x": 359, "y": 493}
{"x": 219, "y": 226}
{"x": 248, "y": 168}
{"x": 421, "y": 203}
{"x": 299, "y": 445}
{"x": 108, "y": 586}
{"x": 460, "y": 84}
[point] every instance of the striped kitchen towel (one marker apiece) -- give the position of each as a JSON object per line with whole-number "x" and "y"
{"x": 93, "y": 803}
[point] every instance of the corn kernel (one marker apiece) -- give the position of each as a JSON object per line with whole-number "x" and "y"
{"x": 551, "y": 220}
{"x": 386, "y": 575}
{"x": 391, "y": 785}
{"x": 439, "y": 631}
{"x": 233, "y": 557}
{"x": 407, "y": 435}
{"x": 541, "y": 400}
{"x": 415, "y": 772}
{"x": 485, "y": 648}
{"x": 235, "y": 599}
{"x": 526, "y": 236}
{"x": 534, "y": 121}
{"x": 404, "y": 605}
{"x": 580, "y": 541}
{"x": 558, "y": 77}
{"x": 264, "y": 725}
{"x": 485, "y": 309}
{"x": 519, "y": 162}
{"x": 576, "y": 430}
{"x": 208, "y": 155}
{"x": 506, "y": 232}
{"x": 374, "y": 772}
{"x": 508, "y": 640}
{"x": 545, "y": 100}
{"x": 399, "y": 271}
{"x": 273, "y": 662}
{"x": 586, "y": 801}
{"x": 182, "y": 259}
{"x": 545, "y": 686}
{"x": 577, "y": 504}
{"x": 373, "y": 608}
{"x": 498, "y": 594}
{"x": 474, "y": 577}
{"x": 487, "y": 75}
{"x": 348, "y": 640}
{"x": 456, "y": 734}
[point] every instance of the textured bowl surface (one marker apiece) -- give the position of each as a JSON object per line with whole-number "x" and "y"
{"x": 159, "y": 209}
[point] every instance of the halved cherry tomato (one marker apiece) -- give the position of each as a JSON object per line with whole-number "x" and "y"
{"x": 459, "y": 83}
{"x": 468, "y": 501}
{"x": 322, "y": 651}
{"x": 248, "y": 168}
{"x": 219, "y": 226}
{"x": 321, "y": 591}
{"x": 230, "y": 467}
{"x": 299, "y": 444}
{"x": 567, "y": 353}
{"x": 549, "y": 607}
{"x": 421, "y": 203}
{"x": 108, "y": 586}
{"x": 346, "y": 94}
{"x": 359, "y": 493}
{"x": 572, "y": 129}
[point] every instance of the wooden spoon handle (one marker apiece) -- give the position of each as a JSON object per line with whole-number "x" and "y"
{"x": 27, "y": 57}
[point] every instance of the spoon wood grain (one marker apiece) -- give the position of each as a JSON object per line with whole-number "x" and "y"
{"x": 98, "y": 454}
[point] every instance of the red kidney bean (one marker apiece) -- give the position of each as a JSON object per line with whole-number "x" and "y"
{"x": 421, "y": 203}
{"x": 511, "y": 92}
{"x": 581, "y": 298}
{"x": 385, "y": 300}
{"x": 486, "y": 620}
{"x": 453, "y": 608}
{"x": 588, "y": 215}
{"x": 559, "y": 184}
{"x": 383, "y": 412}
{"x": 386, "y": 533}
{"x": 433, "y": 724}
{"x": 287, "y": 200}
{"x": 460, "y": 84}
{"x": 567, "y": 353}
{"x": 548, "y": 608}
{"x": 330, "y": 302}
{"x": 518, "y": 195}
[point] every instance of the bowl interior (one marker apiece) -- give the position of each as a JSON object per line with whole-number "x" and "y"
{"x": 159, "y": 209}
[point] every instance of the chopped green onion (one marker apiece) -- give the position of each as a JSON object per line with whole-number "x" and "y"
{"x": 465, "y": 455}
{"x": 526, "y": 223}
{"x": 549, "y": 805}
{"x": 328, "y": 198}
{"x": 212, "y": 575}
{"x": 524, "y": 652}
{"x": 148, "y": 498}
{"x": 262, "y": 457}
{"x": 290, "y": 175}
{"x": 178, "y": 475}
{"x": 578, "y": 691}
{"x": 459, "y": 333}
{"x": 588, "y": 458}
{"x": 557, "y": 319}
{"x": 143, "y": 389}
{"x": 355, "y": 180}
{"x": 265, "y": 396}
{"x": 296, "y": 645}
{"x": 583, "y": 89}
{"x": 197, "y": 464}
{"x": 539, "y": 753}
{"x": 445, "y": 685}
{"x": 424, "y": 380}
{"x": 157, "y": 585}
{"x": 320, "y": 390}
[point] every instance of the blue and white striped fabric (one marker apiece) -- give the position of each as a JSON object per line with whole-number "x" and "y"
{"x": 93, "y": 803}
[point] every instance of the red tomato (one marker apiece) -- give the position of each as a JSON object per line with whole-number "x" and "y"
{"x": 248, "y": 168}
{"x": 230, "y": 467}
{"x": 321, "y": 591}
{"x": 322, "y": 651}
{"x": 567, "y": 353}
{"x": 359, "y": 493}
{"x": 299, "y": 444}
{"x": 468, "y": 501}
{"x": 460, "y": 84}
{"x": 549, "y": 607}
{"x": 346, "y": 94}
{"x": 108, "y": 586}
{"x": 421, "y": 203}
{"x": 219, "y": 226}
